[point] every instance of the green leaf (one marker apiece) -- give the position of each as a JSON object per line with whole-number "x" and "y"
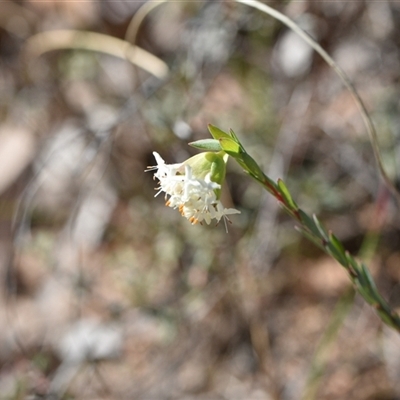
{"x": 364, "y": 293}
{"x": 388, "y": 319}
{"x": 284, "y": 191}
{"x": 321, "y": 229}
{"x": 251, "y": 165}
{"x": 217, "y": 133}
{"x": 353, "y": 267}
{"x": 229, "y": 146}
{"x": 332, "y": 251}
{"x": 373, "y": 290}
{"x": 337, "y": 249}
{"x": 207, "y": 144}
{"x": 233, "y": 134}
{"x": 337, "y": 243}
{"x": 309, "y": 223}
{"x": 372, "y": 286}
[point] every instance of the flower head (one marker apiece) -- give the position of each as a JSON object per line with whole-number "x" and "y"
{"x": 194, "y": 186}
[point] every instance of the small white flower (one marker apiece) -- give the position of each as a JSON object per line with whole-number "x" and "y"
{"x": 195, "y": 197}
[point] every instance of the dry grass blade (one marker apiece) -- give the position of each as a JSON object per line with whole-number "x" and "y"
{"x": 72, "y": 39}
{"x": 138, "y": 18}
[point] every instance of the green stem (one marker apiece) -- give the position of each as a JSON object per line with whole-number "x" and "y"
{"x": 344, "y": 78}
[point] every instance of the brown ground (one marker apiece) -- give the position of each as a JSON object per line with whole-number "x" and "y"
{"x": 107, "y": 293}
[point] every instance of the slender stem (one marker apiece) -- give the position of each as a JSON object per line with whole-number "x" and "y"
{"x": 344, "y": 78}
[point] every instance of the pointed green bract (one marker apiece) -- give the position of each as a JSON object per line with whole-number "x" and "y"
{"x": 286, "y": 195}
{"x": 309, "y": 223}
{"x": 206, "y": 144}
{"x": 334, "y": 253}
{"x": 367, "y": 276}
{"x": 321, "y": 229}
{"x": 229, "y": 146}
{"x": 217, "y": 133}
{"x": 337, "y": 249}
{"x": 233, "y": 134}
{"x": 252, "y": 167}
{"x": 338, "y": 245}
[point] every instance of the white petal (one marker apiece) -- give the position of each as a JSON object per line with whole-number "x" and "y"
{"x": 195, "y": 198}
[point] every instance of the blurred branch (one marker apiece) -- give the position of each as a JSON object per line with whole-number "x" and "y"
{"x": 71, "y": 39}
{"x": 344, "y": 78}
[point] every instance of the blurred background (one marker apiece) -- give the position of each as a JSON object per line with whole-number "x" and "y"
{"x": 107, "y": 293}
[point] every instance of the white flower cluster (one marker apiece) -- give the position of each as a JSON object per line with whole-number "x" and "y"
{"x": 195, "y": 198}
